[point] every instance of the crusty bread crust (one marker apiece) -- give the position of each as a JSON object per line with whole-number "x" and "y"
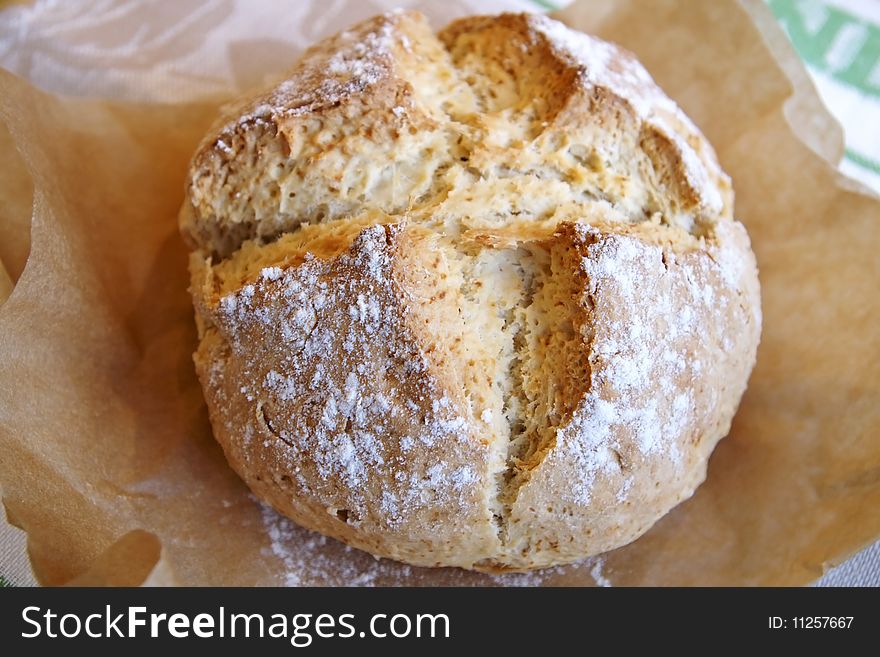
{"x": 473, "y": 299}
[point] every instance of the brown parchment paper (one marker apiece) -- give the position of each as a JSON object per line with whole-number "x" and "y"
{"x": 106, "y": 455}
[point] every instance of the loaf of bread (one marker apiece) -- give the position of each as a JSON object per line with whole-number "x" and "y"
{"x": 474, "y": 298}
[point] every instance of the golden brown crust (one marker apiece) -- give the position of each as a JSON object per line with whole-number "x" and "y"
{"x": 344, "y": 94}
{"x": 386, "y": 116}
{"x": 473, "y": 299}
{"x": 330, "y": 409}
{"x": 669, "y": 337}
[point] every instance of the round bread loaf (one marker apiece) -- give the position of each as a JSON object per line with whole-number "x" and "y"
{"x": 474, "y": 298}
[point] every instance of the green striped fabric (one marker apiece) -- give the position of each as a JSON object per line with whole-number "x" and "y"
{"x": 840, "y": 43}
{"x": 820, "y": 30}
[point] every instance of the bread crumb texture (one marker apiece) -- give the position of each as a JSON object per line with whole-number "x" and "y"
{"x": 474, "y": 298}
